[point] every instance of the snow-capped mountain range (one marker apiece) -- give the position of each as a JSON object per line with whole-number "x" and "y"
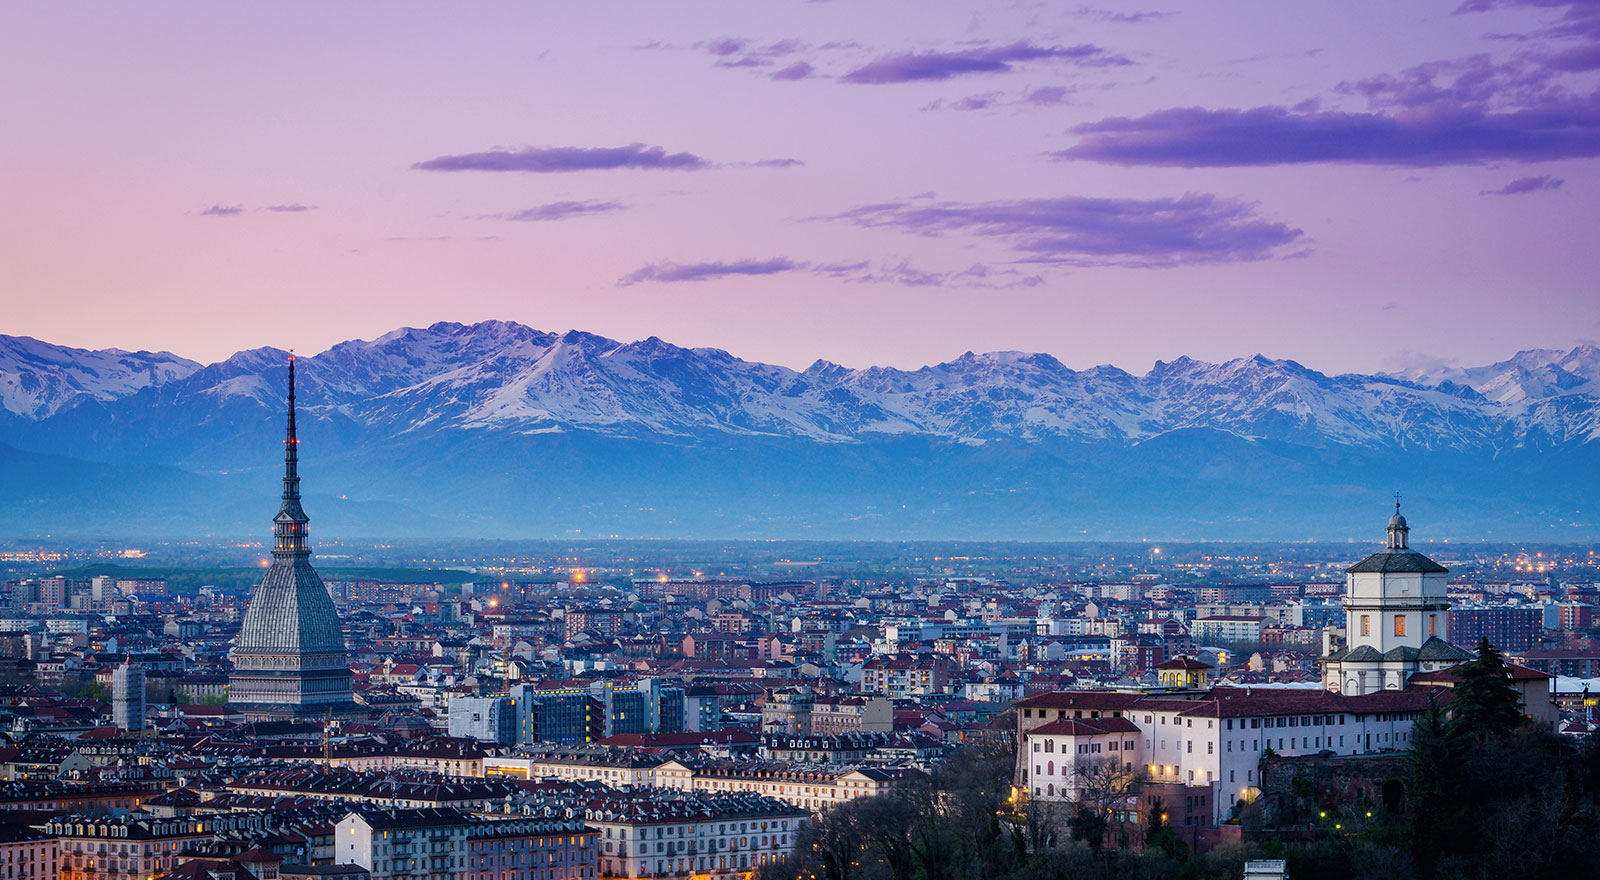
{"x": 37, "y": 379}
{"x": 500, "y": 376}
{"x": 500, "y": 429}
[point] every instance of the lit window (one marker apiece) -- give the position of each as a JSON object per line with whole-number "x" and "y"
{"x": 1366, "y": 624}
{"x": 1399, "y": 625}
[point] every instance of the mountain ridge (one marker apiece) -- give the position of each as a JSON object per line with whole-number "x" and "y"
{"x": 464, "y": 423}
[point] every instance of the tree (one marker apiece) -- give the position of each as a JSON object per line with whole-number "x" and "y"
{"x": 1088, "y": 826}
{"x": 1160, "y": 838}
{"x": 1438, "y": 808}
{"x": 840, "y": 842}
{"x": 1486, "y": 702}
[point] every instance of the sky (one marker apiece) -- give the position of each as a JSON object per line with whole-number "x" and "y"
{"x": 1355, "y": 185}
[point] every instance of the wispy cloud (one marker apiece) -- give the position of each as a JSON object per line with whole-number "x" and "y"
{"x": 673, "y": 272}
{"x": 1459, "y": 111}
{"x": 925, "y": 66}
{"x": 1121, "y": 17}
{"x": 223, "y": 211}
{"x": 902, "y": 273}
{"x": 1044, "y": 96}
{"x": 893, "y": 271}
{"x": 1525, "y": 185}
{"x": 797, "y": 70}
{"x": 1196, "y": 228}
{"x": 293, "y": 208}
{"x": 561, "y": 211}
{"x": 548, "y": 160}
{"x": 1047, "y": 96}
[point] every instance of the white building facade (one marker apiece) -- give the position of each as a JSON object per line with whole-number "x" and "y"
{"x": 1396, "y": 619}
{"x": 1212, "y": 742}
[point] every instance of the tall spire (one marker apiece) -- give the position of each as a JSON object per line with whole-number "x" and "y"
{"x": 289, "y": 526}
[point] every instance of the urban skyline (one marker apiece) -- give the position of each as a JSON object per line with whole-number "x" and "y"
{"x": 800, "y": 440}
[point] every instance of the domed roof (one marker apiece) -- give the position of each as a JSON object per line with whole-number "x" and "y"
{"x": 291, "y": 613}
{"x": 1397, "y": 521}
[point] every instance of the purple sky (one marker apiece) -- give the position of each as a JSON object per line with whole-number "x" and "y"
{"x": 1356, "y": 185}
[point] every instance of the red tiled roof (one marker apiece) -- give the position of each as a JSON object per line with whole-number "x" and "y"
{"x": 1236, "y": 702}
{"x": 1086, "y": 727}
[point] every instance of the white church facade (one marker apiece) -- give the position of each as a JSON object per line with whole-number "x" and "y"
{"x": 1396, "y": 620}
{"x": 1211, "y": 742}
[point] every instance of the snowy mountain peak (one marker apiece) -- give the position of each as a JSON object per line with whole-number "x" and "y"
{"x": 38, "y": 379}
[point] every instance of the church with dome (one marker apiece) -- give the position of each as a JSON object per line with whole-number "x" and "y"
{"x": 1202, "y": 744}
{"x": 290, "y": 660}
{"x": 1396, "y": 616}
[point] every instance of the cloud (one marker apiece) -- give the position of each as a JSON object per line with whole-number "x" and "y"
{"x": 771, "y": 163}
{"x": 1194, "y": 137}
{"x": 797, "y": 70}
{"x": 546, "y": 160}
{"x": 1460, "y": 111}
{"x": 980, "y": 101}
{"x": 223, "y": 211}
{"x": 902, "y": 273}
{"x": 1575, "y": 59}
{"x": 293, "y": 208}
{"x": 1475, "y": 82}
{"x": 927, "y": 66}
{"x": 1196, "y": 228}
{"x": 1044, "y": 96}
{"x": 1579, "y": 18}
{"x": 726, "y": 46}
{"x": 561, "y": 211}
{"x": 893, "y": 271}
{"x": 1121, "y": 17}
{"x": 1525, "y": 185}
{"x": 671, "y": 272}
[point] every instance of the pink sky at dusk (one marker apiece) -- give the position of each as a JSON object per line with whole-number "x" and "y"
{"x": 1354, "y": 185}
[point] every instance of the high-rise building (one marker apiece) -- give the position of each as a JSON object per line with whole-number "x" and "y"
{"x": 127, "y": 696}
{"x": 1507, "y": 627}
{"x": 289, "y": 660}
{"x": 487, "y": 719}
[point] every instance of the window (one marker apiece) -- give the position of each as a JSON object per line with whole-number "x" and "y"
{"x": 1430, "y": 625}
{"x": 1366, "y": 624}
{"x": 1399, "y": 625}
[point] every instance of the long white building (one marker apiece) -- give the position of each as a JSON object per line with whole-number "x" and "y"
{"x": 1211, "y": 742}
